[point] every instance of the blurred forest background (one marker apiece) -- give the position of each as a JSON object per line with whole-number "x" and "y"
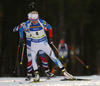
{"x": 76, "y": 21}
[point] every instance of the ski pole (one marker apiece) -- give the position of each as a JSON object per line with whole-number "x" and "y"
{"x": 79, "y": 58}
{"x": 55, "y": 48}
{"x": 22, "y": 54}
{"x": 18, "y": 49}
{"x": 81, "y": 61}
{"x": 52, "y": 70}
{"x": 17, "y": 57}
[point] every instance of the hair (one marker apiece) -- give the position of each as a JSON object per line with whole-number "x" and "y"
{"x": 34, "y": 12}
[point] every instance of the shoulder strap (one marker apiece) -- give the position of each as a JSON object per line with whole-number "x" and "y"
{"x": 41, "y": 24}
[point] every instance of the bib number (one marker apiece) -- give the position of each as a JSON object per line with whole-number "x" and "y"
{"x": 37, "y": 33}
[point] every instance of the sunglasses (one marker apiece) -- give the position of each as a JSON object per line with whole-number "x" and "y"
{"x": 33, "y": 19}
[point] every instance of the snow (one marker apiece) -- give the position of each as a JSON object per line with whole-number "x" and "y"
{"x": 20, "y": 81}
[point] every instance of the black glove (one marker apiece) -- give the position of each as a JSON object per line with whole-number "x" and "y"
{"x": 22, "y": 42}
{"x": 51, "y": 40}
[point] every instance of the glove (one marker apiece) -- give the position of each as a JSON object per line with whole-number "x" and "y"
{"x": 22, "y": 41}
{"x": 51, "y": 41}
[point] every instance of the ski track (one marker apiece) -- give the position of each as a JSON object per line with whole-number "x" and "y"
{"x": 20, "y": 81}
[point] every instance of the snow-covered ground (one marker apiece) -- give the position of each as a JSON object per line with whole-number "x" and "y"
{"x": 20, "y": 81}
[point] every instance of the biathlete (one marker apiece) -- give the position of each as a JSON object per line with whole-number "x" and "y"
{"x": 37, "y": 28}
{"x": 29, "y": 57}
{"x": 63, "y": 52}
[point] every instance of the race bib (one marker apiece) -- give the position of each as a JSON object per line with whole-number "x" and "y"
{"x": 37, "y": 34}
{"x": 63, "y": 53}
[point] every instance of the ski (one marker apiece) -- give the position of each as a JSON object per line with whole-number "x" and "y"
{"x": 75, "y": 79}
{"x": 26, "y": 82}
{"x": 36, "y": 81}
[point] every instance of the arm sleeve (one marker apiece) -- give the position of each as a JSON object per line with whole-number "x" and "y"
{"x": 24, "y": 27}
{"x": 47, "y": 27}
{"x": 59, "y": 46}
{"x": 50, "y": 33}
{"x": 16, "y": 28}
{"x": 21, "y": 33}
{"x": 71, "y": 49}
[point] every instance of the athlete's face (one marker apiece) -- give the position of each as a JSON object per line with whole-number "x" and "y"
{"x": 34, "y": 22}
{"x": 62, "y": 44}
